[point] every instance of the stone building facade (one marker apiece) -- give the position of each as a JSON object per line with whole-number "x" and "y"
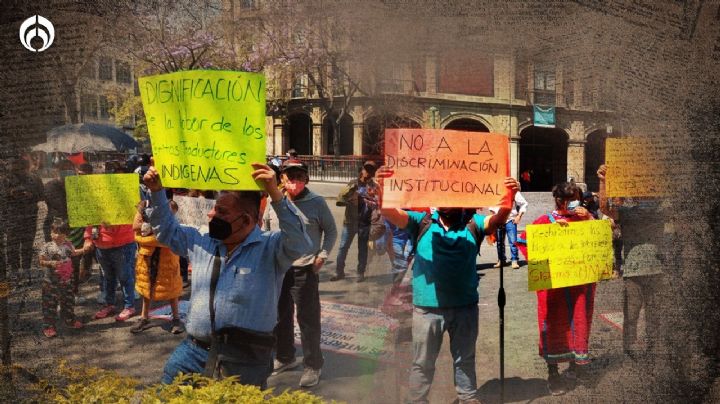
{"x": 487, "y": 94}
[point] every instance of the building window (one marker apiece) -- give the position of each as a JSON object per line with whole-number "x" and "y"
{"x": 392, "y": 78}
{"x": 544, "y": 85}
{"x": 89, "y": 107}
{"x": 90, "y": 69}
{"x": 104, "y": 107}
{"x": 122, "y": 72}
{"x": 247, "y": 3}
{"x": 300, "y": 86}
{"x": 106, "y": 69}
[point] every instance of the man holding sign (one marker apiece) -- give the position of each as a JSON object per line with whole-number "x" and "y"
{"x": 445, "y": 285}
{"x": 206, "y": 127}
{"x": 238, "y": 272}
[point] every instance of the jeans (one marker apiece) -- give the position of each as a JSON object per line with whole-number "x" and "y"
{"x": 186, "y": 358}
{"x": 401, "y": 247}
{"x": 118, "y": 264}
{"x": 428, "y": 326}
{"x": 20, "y": 243}
{"x": 641, "y": 291}
{"x": 510, "y": 230}
{"x": 299, "y": 289}
{"x": 346, "y": 238}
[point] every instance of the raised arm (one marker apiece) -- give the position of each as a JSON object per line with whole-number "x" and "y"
{"x": 294, "y": 240}
{"x": 397, "y": 217}
{"x": 166, "y": 228}
{"x": 602, "y": 195}
{"x": 500, "y": 218}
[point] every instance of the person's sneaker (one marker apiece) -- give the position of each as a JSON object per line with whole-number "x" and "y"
{"x": 556, "y": 385}
{"x": 50, "y": 332}
{"x": 497, "y": 264}
{"x": 77, "y": 324}
{"x": 310, "y": 377}
{"x": 105, "y": 312}
{"x": 177, "y": 326}
{"x": 335, "y": 278}
{"x": 360, "y": 278}
{"x": 125, "y": 314}
{"x": 515, "y": 265}
{"x": 141, "y": 326}
{"x": 279, "y": 366}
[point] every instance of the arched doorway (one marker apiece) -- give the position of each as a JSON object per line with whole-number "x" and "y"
{"x": 594, "y": 158}
{"x": 299, "y": 133}
{"x": 468, "y": 125}
{"x": 544, "y": 152}
{"x": 374, "y": 134}
{"x": 345, "y": 142}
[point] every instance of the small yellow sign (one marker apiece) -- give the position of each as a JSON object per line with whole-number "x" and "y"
{"x": 206, "y": 127}
{"x": 102, "y": 198}
{"x": 639, "y": 166}
{"x": 576, "y": 254}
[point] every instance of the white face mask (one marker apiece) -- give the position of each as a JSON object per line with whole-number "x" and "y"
{"x": 572, "y": 205}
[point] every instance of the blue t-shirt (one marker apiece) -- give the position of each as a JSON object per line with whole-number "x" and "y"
{"x": 444, "y": 273}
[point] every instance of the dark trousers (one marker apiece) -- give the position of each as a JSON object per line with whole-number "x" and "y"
{"x": 641, "y": 291}
{"x": 300, "y": 288}
{"x": 20, "y": 243}
{"x": 184, "y": 268}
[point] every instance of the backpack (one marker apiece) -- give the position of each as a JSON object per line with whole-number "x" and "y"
{"x": 426, "y": 221}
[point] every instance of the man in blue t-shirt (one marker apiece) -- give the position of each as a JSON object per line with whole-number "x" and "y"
{"x": 445, "y": 286}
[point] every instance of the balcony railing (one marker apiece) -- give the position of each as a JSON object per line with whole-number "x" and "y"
{"x": 544, "y": 97}
{"x": 335, "y": 169}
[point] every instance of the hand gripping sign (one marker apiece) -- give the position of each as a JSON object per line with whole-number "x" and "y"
{"x": 444, "y": 168}
{"x": 206, "y": 127}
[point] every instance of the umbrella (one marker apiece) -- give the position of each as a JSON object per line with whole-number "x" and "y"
{"x": 86, "y": 137}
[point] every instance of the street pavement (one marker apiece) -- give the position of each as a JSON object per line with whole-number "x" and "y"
{"x": 347, "y": 378}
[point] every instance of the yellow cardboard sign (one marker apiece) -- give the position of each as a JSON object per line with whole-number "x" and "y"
{"x": 639, "y": 166}
{"x": 206, "y": 127}
{"x": 102, "y": 198}
{"x": 577, "y": 254}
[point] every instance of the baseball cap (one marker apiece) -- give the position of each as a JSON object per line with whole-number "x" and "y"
{"x": 293, "y": 163}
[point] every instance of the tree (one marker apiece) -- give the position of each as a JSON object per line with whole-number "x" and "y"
{"x": 311, "y": 56}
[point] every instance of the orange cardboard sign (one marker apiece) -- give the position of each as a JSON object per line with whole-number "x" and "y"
{"x": 444, "y": 168}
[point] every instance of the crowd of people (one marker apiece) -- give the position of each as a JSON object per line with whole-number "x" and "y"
{"x": 256, "y": 270}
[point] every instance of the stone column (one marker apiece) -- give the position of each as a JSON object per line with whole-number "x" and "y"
{"x": 318, "y": 146}
{"x": 358, "y": 138}
{"x": 576, "y": 160}
{"x": 277, "y": 141}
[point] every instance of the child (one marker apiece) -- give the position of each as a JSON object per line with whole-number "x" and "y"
{"x": 57, "y": 289}
{"x": 157, "y": 272}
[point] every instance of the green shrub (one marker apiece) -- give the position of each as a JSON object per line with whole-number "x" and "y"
{"x": 92, "y": 385}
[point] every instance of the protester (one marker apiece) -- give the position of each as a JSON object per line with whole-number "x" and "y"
{"x": 292, "y": 154}
{"x": 57, "y": 288}
{"x": 24, "y": 191}
{"x": 564, "y": 314}
{"x": 300, "y": 286}
{"x": 519, "y": 207}
{"x": 237, "y": 278}
{"x": 115, "y": 250}
{"x": 353, "y": 197}
{"x": 157, "y": 272}
{"x": 644, "y": 245}
{"x": 445, "y": 284}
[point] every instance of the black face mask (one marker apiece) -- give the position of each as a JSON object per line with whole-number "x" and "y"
{"x": 220, "y": 229}
{"x": 452, "y": 216}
